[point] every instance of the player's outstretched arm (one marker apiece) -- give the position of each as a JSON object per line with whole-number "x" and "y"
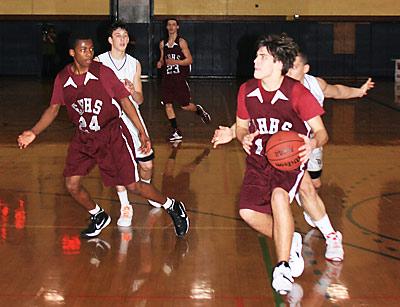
{"x": 46, "y": 119}
{"x": 223, "y": 135}
{"x": 130, "y": 111}
{"x": 339, "y": 91}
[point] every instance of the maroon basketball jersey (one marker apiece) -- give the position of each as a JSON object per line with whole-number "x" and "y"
{"x": 89, "y": 97}
{"x": 285, "y": 109}
{"x": 174, "y": 52}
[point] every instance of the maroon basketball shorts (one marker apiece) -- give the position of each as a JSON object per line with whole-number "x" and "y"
{"x": 110, "y": 149}
{"x": 259, "y": 183}
{"x": 176, "y": 91}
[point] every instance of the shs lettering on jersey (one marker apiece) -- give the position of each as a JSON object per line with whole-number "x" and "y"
{"x": 90, "y": 98}
{"x": 286, "y": 109}
{"x": 174, "y": 52}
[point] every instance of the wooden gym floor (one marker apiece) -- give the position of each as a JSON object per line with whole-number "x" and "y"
{"x": 221, "y": 262}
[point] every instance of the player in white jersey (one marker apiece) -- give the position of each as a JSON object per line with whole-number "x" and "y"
{"x": 128, "y": 70}
{"x": 321, "y": 90}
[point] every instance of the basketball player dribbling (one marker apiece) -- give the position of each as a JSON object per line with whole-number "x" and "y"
{"x": 128, "y": 70}
{"x": 175, "y": 60}
{"x": 93, "y": 96}
{"x": 315, "y": 213}
{"x": 269, "y": 103}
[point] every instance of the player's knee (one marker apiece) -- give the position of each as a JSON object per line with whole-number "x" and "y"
{"x": 72, "y": 185}
{"x": 120, "y": 188}
{"x": 147, "y": 166}
{"x": 247, "y": 215}
{"x": 134, "y": 187}
{"x": 279, "y": 196}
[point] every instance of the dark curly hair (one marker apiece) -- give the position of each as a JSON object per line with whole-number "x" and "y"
{"x": 119, "y": 24}
{"x": 281, "y": 47}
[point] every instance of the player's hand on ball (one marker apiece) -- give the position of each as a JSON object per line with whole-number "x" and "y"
{"x": 248, "y": 141}
{"x": 306, "y": 149}
{"x": 222, "y": 135}
{"x": 25, "y": 139}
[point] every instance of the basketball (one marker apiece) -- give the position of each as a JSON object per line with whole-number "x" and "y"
{"x": 282, "y": 150}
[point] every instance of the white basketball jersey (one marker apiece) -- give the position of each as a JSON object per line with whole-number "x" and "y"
{"x": 126, "y": 69}
{"x": 315, "y": 162}
{"x": 312, "y": 84}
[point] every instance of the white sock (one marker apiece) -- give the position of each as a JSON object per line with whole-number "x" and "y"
{"x": 168, "y": 203}
{"x": 95, "y": 210}
{"x": 146, "y": 180}
{"x": 123, "y": 198}
{"x": 154, "y": 203}
{"x": 325, "y": 226}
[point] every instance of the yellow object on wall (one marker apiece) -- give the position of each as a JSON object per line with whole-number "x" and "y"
{"x": 277, "y": 8}
{"x": 55, "y": 7}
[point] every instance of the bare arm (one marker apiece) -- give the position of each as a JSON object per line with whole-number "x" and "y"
{"x": 320, "y": 138}
{"x": 224, "y": 135}
{"x": 185, "y": 50}
{"x": 243, "y": 135}
{"x": 130, "y": 111}
{"x": 339, "y": 91}
{"x": 135, "y": 87}
{"x": 45, "y": 120}
{"x": 160, "y": 62}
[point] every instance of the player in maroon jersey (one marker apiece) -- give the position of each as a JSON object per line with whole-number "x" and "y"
{"x": 175, "y": 61}
{"x": 267, "y": 104}
{"x": 93, "y": 96}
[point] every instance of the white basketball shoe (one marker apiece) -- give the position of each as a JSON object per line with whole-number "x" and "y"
{"x": 334, "y": 247}
{"x": 296, "y": 261}
{"x": 282, "y": 280}
{"x": 125, "y": 219}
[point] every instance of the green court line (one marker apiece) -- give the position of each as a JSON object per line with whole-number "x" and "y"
{"x": 268, "y": 266}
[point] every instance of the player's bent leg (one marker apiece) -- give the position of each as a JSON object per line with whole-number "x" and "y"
{"x": 259, "y": 221}
{"x": 175, "y": 134}
{"x": 174, "y": 208}
{"x": 310, "y": 201}
{"x": 169, "y": 110}
{"x": 78, "y": 192}
{"x": 204, "y": 115}
{"x": 99, "y": 218}
{"x": 126, "y": 210}
{"x": 146, "y": 170}
{"x": 283, "y": 226}
{"x": 283, "y": 230}
{"x": 189, "y": 107}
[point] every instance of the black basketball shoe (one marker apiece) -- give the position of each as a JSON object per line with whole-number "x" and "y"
{"x": 97, "y": 223}
{"x": 179, "y": 217}
{"x": 175, "y": 136}
{"x": 205, "y": 117}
